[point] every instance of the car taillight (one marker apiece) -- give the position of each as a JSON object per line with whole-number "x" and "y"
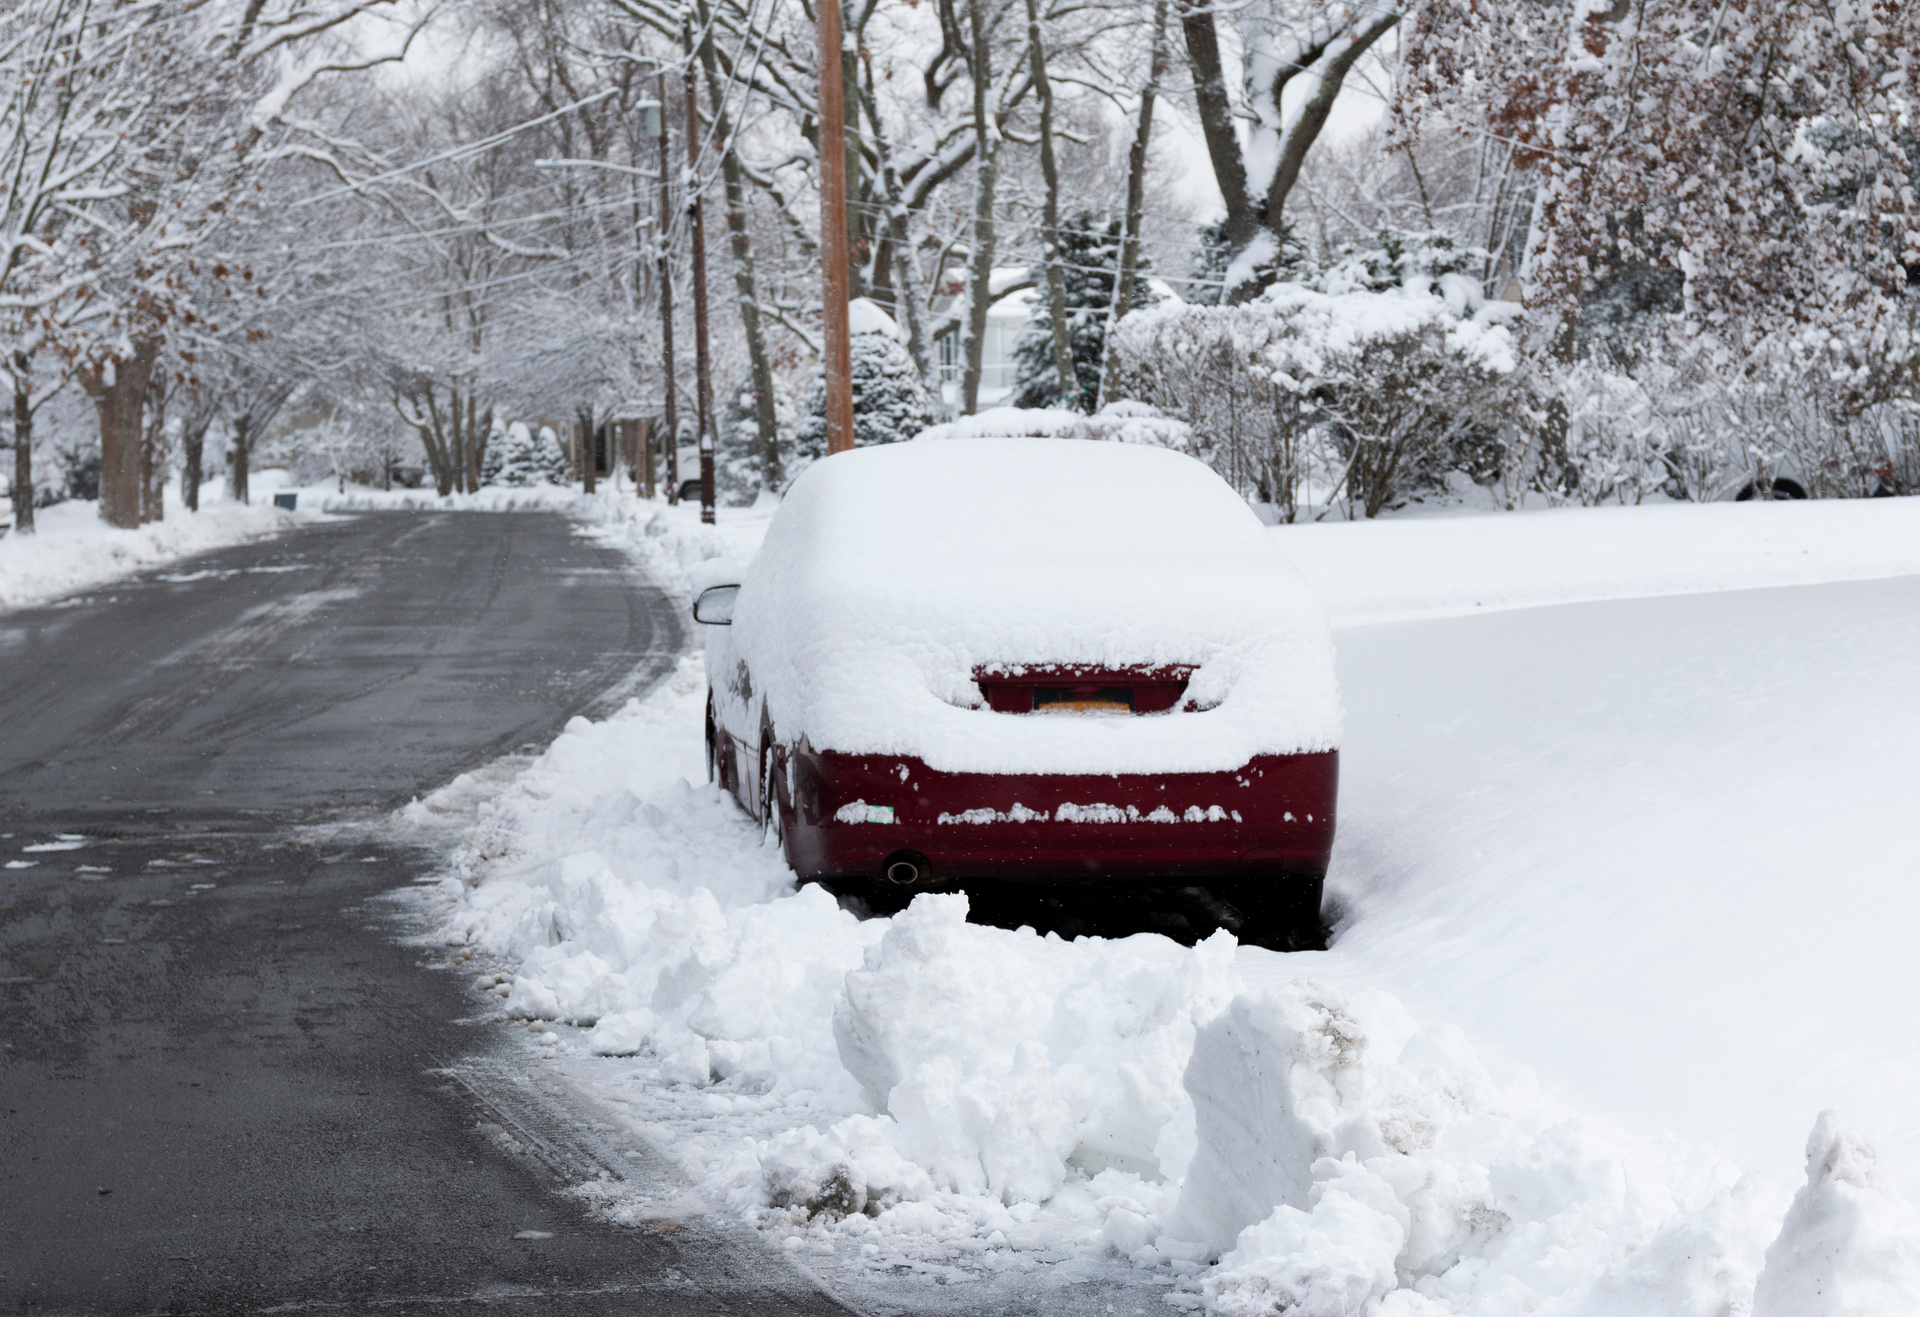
{"x": 1059, "y": 688}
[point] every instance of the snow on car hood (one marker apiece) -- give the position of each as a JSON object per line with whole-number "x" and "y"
{"x": 891, "y": 573}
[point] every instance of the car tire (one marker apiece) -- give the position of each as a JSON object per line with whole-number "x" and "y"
{"x": 1785, "y": 489}
{"x": 713, "y": 748}
{"x": 1282, "y": 913}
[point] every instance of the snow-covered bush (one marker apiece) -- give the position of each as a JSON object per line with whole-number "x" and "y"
{"x": 890, "y": 401}
{"x": 1615, "y": 445}
{"x": 1382, "y": 382}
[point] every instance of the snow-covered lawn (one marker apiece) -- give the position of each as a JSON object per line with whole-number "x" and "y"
{"x": 71, "y": 549}
{"x": 1625, "y": 887}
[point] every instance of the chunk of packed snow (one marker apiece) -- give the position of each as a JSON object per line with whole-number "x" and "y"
{"x": 1849, "y": 1247}
{"x": 889, "y": 574}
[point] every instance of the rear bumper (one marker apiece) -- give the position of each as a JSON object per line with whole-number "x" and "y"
{"x": 1272, "y": 817}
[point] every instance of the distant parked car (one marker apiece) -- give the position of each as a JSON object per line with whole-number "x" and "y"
{"x": 1028, "y": 660}
{"x": 690, "y": 490}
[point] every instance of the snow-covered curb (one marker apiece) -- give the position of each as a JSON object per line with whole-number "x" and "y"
{"x": 72, "y": 549}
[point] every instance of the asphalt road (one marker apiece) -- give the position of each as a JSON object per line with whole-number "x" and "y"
{"x": 226, "y": 1083}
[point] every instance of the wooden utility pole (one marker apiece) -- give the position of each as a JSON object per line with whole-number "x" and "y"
{"x": 703, "y": 374}
{"x": 833, "y": 233}
{"x": 671, "y": 419}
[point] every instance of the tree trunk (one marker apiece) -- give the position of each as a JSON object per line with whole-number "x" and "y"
{"x": 1136, "y": 195}
{"x": 192, "y": 445}
{"x": 475, "y": 445}
{"x": 456, "y": 441}
{"x": 242, "y": 456}
{"x": 22, "y": 448}
{"x": 153, "y": 461}
{"x": 760, "y": 366}
{"x": 584, "y": 451}
{"x": 859, "y": 221}
{"x": 1217, "y": 123}
{"x": 986, "y": 166}
{"x": 1327, "y": 61}
{"x": 119, "y": 405}
{"x": 426, "y": 422}
{"x": 1050, "y": 218}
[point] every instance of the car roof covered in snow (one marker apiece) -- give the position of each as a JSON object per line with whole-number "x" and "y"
{"x": 891, "y": 573}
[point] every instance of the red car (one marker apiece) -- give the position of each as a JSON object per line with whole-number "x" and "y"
{"x": 1029, "y": 659}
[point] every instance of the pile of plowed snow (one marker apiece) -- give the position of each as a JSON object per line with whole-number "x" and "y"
{"x": 868, "y": 1086}
{"x": 71, "y": 549}
{"x": 920, "y": 1099}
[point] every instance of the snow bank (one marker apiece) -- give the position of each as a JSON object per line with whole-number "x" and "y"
{"x": 1350, "y": 1161}
{"x": 891, "y": 573}
{"x": 920, "y": 1096}
{"x": 670, "y": 539}
{"x": 71, "y": 549}
{"x": 534, "y": 498}
{"x": 1418, "y": 567}
{"x": 919, "y": 1087}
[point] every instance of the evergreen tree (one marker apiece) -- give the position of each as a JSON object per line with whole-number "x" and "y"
{"x": 736, "y": 464}
{"x": 1209, "y": 270}
{"x": 890, "y": 402}
{"x": 1090, "y": 255}
{"x": 491, "y": 460}
{"x": 517, "y": 458}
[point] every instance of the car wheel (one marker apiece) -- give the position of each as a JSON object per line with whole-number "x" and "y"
{"x": 713, "y": 749}
{"x": 1784, "y": 489}
{"x": 1281, "y": 913}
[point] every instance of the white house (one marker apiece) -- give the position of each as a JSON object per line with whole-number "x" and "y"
{"x": 1006, "y": 317}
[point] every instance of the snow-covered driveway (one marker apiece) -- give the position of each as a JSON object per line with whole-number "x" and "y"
{"x": 1624, "y": 888}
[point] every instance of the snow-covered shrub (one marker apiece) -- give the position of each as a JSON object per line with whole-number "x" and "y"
{"x": 890, "y": 401}
{"x": 1672, "y": 418}
{"x": 1615, "y": 445}
{"x": 1383, "y": 382}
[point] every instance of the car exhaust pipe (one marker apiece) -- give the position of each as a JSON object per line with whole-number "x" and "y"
{"x": 907, "y": 869}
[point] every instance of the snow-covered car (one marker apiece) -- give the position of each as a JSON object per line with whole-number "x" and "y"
{"x": 1028, "y": 659}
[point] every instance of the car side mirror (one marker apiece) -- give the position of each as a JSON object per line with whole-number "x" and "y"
{"x": 714, "y": 607}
